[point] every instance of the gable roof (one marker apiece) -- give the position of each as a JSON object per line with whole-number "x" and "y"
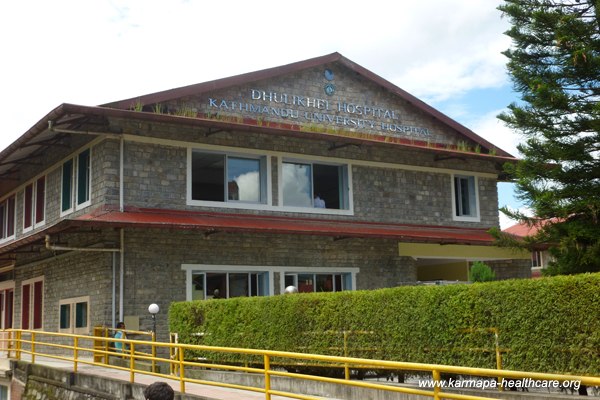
{"x": 41, "y": 137}
{"x": 172, "y": 94}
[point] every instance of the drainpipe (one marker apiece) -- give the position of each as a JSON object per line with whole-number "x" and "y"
{"x": 120, "y": 250}
{"x": 121, "y": 187}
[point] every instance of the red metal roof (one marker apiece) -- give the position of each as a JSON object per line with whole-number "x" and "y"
{"x": 221, "y": 222}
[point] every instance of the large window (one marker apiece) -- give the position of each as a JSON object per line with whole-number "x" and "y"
{"x": 76, "y": 182}
{"x": 73, "y": 315}
{"x": 34, "y": 204}
{"x": 228, "y": 178}
{"x": 7, "y": 291}
{"x": 465, "y": 197}
{"x": 32, "y": 303}
{"x": 7, "y": 218}
{"x": 307, "y": 184}
{"x": 309, "y": 282}
{"x": 213, "y": 285}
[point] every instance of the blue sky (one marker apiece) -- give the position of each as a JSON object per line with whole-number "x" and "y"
{"x": 92, "y": 52}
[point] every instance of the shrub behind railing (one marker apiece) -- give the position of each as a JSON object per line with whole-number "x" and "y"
{"x": 547, "y": 325}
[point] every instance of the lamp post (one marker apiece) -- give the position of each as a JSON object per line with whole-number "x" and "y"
{"x": 153, "y": 309}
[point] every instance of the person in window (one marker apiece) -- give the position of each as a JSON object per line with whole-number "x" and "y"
{"x": 319, "y": 202}
{"x": 120, "y": 346}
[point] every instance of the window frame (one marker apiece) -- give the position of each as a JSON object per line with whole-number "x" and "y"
{"x": 265, "y": 201}
{"x": 271, "y": 271}
{"x": 8, "y": 218}
{"x": 78, "y": 175}
{"x": 457, "y": 214}
{"x": 34, "y": 308}
{"x": 7, "y": 320}
{"x": 72, "y": 303}
{"x": 345, "y": 189}
{"x": 33, "y": 206}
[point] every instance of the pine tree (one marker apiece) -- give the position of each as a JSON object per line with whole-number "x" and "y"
{"x": 554, "y": 64}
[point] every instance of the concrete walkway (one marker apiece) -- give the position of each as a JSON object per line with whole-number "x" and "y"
{"x": 207, "y": 391}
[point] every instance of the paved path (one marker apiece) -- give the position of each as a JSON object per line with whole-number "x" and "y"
{"x": 208, "y": 391}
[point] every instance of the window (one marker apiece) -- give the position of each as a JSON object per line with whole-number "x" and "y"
{"x": 315, "y": 185}
{"x": 465, "y": 198}
{"x": 6, "y": 304}
{"x": 83, "y": 178}
{"x": 308, "y": 282}
{"x": 209, "y": 285}
{"x": 228, "y": 178}
{"x": 32, "y": 303}
{"x": 7, "y": 218}
{"x": 73, "y": 315}
{"x": 536, "y": 258}
{"x": 34, "y": 204}
{"x": 76, "y": 182}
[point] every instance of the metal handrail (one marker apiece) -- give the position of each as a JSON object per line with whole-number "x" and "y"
{"x": 30, "y": 342}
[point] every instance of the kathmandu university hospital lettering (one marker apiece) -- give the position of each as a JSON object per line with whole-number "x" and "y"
{"x": 356, "y": 114}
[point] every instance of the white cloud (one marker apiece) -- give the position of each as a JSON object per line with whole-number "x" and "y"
{"x": 495, "y": 131}
{"x": 506, "y": 222}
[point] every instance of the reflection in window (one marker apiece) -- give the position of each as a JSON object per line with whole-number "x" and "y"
{"x": 220, "y": 177}
{"x": 465, "y": 196}
{"x": 228, "y": 284}
{"x": 308, "y": 283}
{"x": 315, "y": 185}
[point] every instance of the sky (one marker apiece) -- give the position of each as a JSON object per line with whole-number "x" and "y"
{"x": 447, "y": 53}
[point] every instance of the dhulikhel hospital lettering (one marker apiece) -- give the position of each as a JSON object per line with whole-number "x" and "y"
{"x": 315, "y": 110}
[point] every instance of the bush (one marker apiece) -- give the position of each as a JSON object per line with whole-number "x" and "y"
{"x": 481, "y": 272}
{"x": 546, "y": 325}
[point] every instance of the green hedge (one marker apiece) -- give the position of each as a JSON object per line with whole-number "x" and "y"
{"x": 546, "y": 325}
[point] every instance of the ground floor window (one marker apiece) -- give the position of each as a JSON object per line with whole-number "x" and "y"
{"x": 3, "y": 392}
{"x": 73, "y": 315}
{"x": 209, "y": 285}
{"x": 6, "y": 308}
{"x": 32, "y": 303}
{"x": 307, "y": 283}
{"x": 227, "y": 281}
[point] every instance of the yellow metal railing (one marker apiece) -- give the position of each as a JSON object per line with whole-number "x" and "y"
{"x": 82, "y": 349}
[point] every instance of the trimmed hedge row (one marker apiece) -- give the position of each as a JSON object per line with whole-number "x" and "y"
{"x": 547, "y": 325}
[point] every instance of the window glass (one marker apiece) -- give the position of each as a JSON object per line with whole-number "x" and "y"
{"x": 464, "y": 196}
{"x": 81, "y": 311}
{"x": 238, "y": 285}
{"x": 315, "y": 185}
{"x": 243, "y": 179}
{"x": 40, "y": 200}
{"x": 228, "y": 284}
{"x": 297, "y": 185}
{"x": 223, "y": 178}
{"x": 67, "y": 185}
{"x": 27, "y": 206}
{"x": 65, "y": 316}
{"x": 198, "y": 286}
{"x": 208, "y": 171}
{"x": 10, "y": 216}
{"x": 83, "y": 177}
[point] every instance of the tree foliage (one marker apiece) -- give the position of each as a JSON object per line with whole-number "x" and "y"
{"x": 554, "y": 64}
{"x": 481, "y": 272}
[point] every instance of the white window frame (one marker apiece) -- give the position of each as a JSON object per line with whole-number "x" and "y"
{"x": 347, "y": 183}
{"x": 32, "y": 303}
{"x": 74, "y": 181}
{"x": 34, "y": 203}
{"x": 4, "y": 287}
{"x": 190, "y": 269}
{"x": 466, "y": 218}
{"x": 4, "y": 226}
{"x": 265, "y": 180}
{"x": 72, "y": 302}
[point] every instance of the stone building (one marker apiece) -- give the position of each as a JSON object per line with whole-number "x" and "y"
{"x": 318, "y": 174}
